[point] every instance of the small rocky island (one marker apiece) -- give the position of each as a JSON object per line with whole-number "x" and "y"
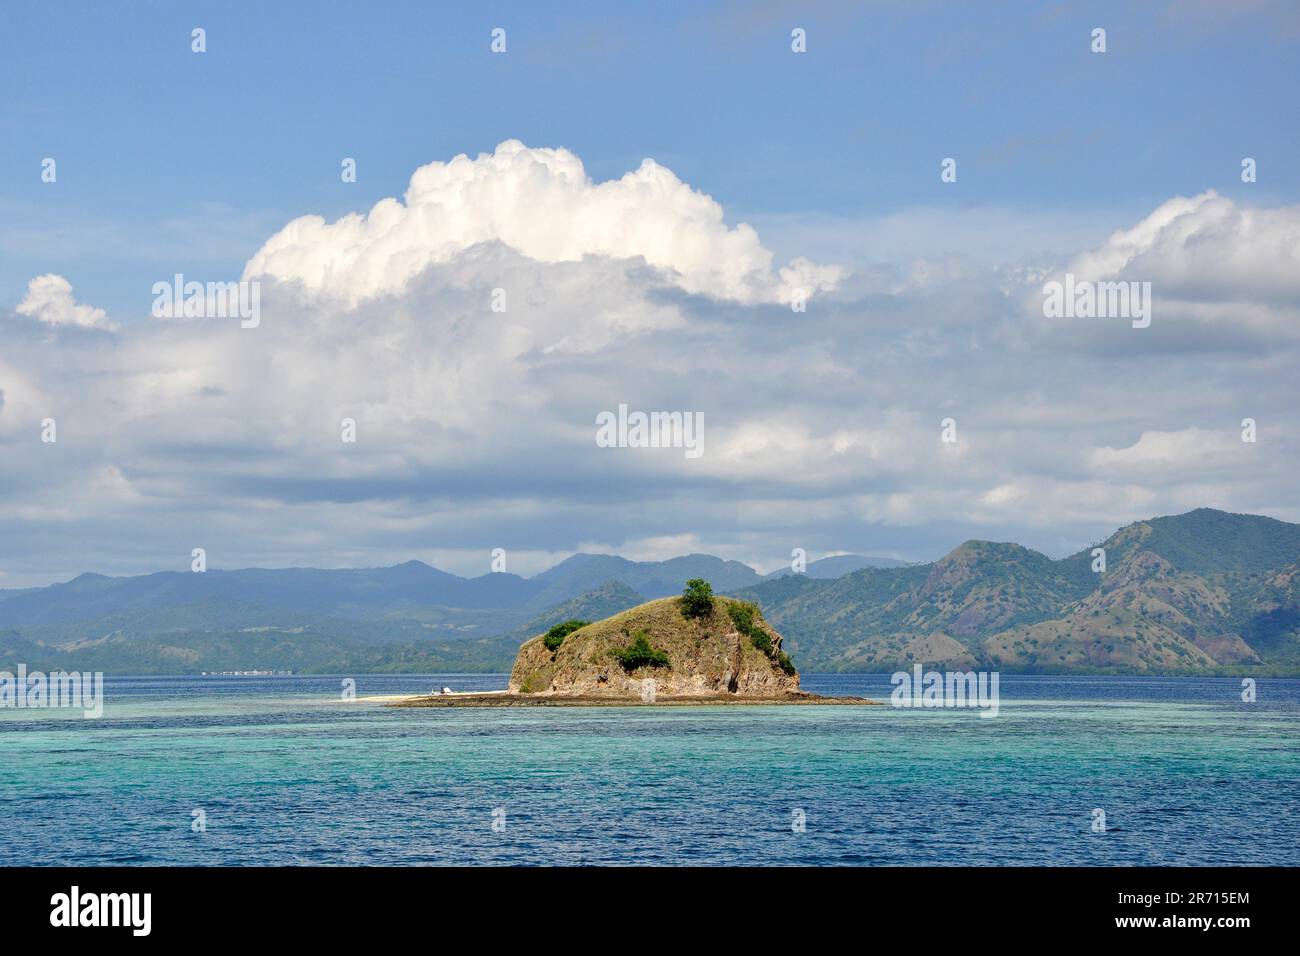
{"x": 699, "y": 648}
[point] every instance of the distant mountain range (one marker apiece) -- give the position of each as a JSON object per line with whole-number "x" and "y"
{"x": 1203, "y": 592}
{"x": 407, "y": 617}
{"x": 413, "y": 590}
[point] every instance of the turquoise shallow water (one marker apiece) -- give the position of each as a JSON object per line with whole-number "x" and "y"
{"x": 287, "y": 773}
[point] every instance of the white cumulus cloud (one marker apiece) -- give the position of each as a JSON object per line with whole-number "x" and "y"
{"x": 541, "y": 203}
{"x": 1223, "y": 275}
{"x": 1207, "y": 245}
{"x": 49, "y": 299}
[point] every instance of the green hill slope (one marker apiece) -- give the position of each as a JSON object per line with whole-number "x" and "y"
{"x": 1203, "y": 592}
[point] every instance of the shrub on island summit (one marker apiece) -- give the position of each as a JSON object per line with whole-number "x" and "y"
{"x": 556, "y": 635}
{"x": 697, "y": 599}
{"x": 640, "y": 654}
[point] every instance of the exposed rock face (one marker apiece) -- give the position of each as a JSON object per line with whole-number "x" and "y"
{"x": 706, "y": 656}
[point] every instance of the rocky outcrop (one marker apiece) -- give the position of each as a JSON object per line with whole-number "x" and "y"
{"x": 706, "y": 657}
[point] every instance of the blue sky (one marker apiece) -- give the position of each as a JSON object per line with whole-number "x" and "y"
{"x": 203, "y": 156}
{"x": 635, "y": 284}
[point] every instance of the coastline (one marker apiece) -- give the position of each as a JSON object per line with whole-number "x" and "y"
{"x": 506, "y": 699}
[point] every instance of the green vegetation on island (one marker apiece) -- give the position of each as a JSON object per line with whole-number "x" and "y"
{"x": 640, "y": 654}
{"x": 556, "y": 635}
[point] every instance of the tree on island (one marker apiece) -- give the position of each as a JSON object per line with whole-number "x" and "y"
{"x": 697, "y": 599}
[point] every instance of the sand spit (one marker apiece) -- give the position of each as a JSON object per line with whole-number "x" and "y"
{"x": 502, "y": 699}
